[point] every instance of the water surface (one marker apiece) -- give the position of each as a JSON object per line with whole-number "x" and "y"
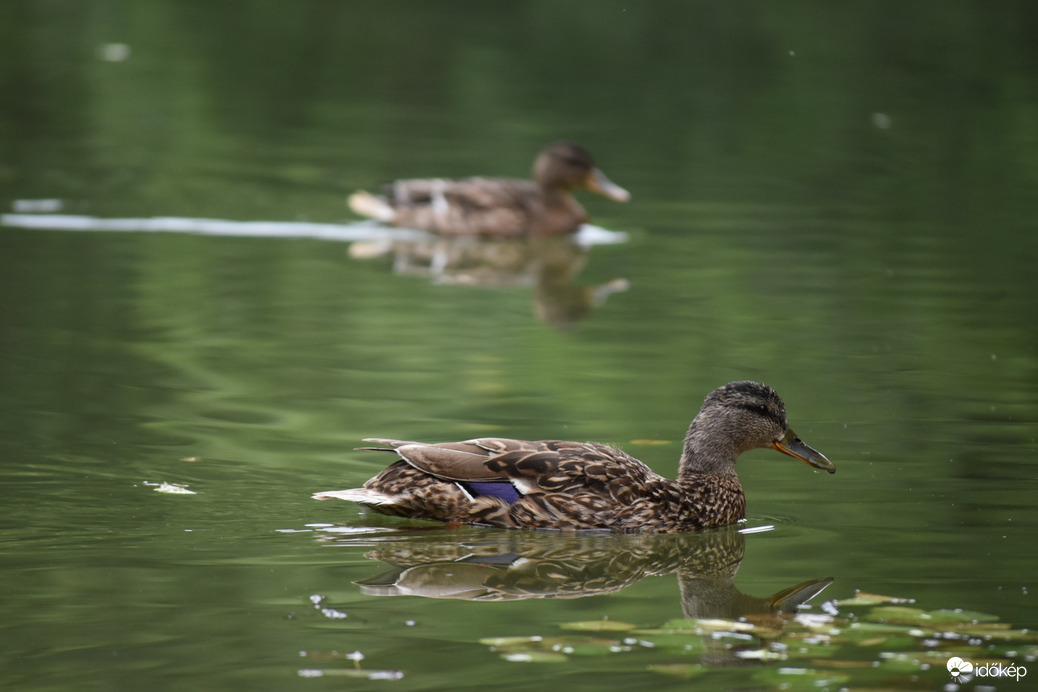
{"x": 837, "y": 201}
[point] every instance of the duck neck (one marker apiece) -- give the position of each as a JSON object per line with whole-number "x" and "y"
{"x": 707, "y": 452}
{"x": 554, "y": 192}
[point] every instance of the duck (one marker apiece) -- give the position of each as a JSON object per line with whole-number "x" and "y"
{"x": 495, "y": 207}
{"x": 575, "y": 486}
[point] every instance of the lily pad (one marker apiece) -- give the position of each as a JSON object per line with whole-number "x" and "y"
{"x": 900, "y": 662}
{"x": 535, "y": 657}
{"x": 685, "y": 671}
{"x": 350, "y": 673}
{"x": 800, "y": 678}
{"x": 599, "y": 626}
{"x": 684, "y": 624}
{"x": 899, "y": 615}
{"x": 547, "y": 649}
{"x": 866, "y": 630}
{"x": 995, "y": 631}
{"x": 702, "y": 626}
{"x": 507, "y": 642}
{"x": 881, "y": 643}
{"x": 672, "y": 640}
{"x": 862, "y": 598}
{"x": 935, "y": 619}
{"x": 957, "y": 615}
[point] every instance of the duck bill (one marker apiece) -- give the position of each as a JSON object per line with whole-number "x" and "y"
{"x": 599, "y": 183}
{"x": 795, "y": 447}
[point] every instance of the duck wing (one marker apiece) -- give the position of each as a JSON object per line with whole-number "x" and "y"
{"x": 466, "y": 206}
{"x": 451, "y": 461}
{"x": 471, "y": 193}
{"x": 545, "y": 466}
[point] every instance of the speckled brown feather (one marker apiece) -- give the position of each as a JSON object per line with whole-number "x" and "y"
{"x": 500, "y": 207}
{"x": 573, "y": 486}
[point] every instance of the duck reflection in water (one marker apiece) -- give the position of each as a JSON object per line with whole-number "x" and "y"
{"x": 485, "y": 565}
{"x": 548, "y": 264}
{"x": 476, "y": 564}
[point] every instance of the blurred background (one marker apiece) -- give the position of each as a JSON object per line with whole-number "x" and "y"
{"x": 838, "y": 200}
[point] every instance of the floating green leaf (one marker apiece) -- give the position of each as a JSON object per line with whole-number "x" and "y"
{"x": 869, "y": 599}
{"x": 957, "y": 615}
{"x": 678, "y": 625}
{"x": 872, "y": 642}
{"x": 507, "y": 642}
{"x": 671, "y": 640}
{"x": 684, "y": 671}
{"x": 898, "y": 662}
{"x": 800, "y": 678}
{"x": 899, "y": 615}
{"x": 599, "y": 626}
{"x": 547, "y": 649}
{"x": 534, "y": 657}
{"x": 350, "y": 673}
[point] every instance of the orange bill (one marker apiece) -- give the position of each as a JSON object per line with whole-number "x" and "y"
{"x": 798, "y": 449}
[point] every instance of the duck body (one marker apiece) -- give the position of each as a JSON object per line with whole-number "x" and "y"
{"x": 570, "y": 486}
{"x": 546, "y": 484}
{"x": 495, "y": 207}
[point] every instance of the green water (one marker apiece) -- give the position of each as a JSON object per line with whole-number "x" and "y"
{"x": 837, "y": 200}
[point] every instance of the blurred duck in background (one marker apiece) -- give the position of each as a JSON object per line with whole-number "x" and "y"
{"x": 495, "y": 207}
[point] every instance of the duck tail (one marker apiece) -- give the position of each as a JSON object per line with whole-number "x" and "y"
{"x": 361, "y": 496}
{"x": 371, "y": 206}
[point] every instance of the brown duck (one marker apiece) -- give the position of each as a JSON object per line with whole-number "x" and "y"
{"x": 495, "y": 207}
{"x": 572, "y": 486}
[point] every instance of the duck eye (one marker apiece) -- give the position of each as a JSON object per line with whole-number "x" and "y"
{"x": 762, "y": 409}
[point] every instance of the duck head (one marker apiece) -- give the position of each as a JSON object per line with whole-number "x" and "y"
{"x": 566, "y": 165}
{"x": 737, "y": 417}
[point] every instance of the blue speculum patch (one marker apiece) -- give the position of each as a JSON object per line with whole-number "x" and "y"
{"x": 499, "y": 489}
